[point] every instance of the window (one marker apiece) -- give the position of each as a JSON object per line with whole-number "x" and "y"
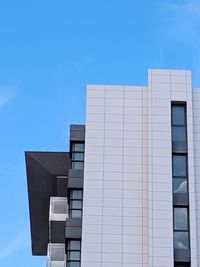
{"x": 179, "y": 166}
{"x": 178, "y": 115}
{"x": 178, "y": 134}
{"x": 180, "y": 186}
{"x": 75, "y": 203}
{"x": 181, "y": 240}
{"x": 77, "y": 156}
{"x": 73, "y": 251}
{"x": 180, "y": 218}
{"x": 179, "y": 129}
{"x": 181, "y": 234}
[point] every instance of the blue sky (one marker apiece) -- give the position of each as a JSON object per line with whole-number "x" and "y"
{"x": 49, "y": 51}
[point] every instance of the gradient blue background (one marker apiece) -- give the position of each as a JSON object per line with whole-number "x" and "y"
{"x": 49, "y": 51}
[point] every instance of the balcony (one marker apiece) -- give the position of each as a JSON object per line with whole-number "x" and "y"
{"x": 56, "y": 255}
{"x": 58, "y": 209}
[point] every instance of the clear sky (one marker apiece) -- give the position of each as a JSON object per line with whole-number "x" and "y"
{"x": 49, "y": 51}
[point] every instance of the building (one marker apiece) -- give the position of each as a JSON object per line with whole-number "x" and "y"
{"x": 139, "y": 202}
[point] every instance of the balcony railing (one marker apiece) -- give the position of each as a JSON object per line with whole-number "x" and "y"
{"x": 58, "y": 210}
{"x": 56, "y": 255}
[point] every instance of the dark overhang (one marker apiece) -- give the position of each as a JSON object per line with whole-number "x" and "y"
{"x": 42, "y": 169}
{"x": 77, "y": 133}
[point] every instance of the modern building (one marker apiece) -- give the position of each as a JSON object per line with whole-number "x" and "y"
{"x": 128, "y": 192}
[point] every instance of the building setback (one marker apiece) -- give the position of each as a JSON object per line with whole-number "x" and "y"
{"x": 127, "y": 194}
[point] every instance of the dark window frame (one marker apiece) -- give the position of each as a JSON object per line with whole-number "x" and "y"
{"x": 182, "y": 104}
{"x": 186, "y": 176}
{"x": 73, "y": 152}
{"x": 69, "y": 250}
{"x": 71, "y": 199}
{"x": 182, "y": 264}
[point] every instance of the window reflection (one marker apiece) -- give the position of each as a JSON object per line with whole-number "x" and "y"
{"x": 180, "y": 219}
{"x": 178, "y": 115}
{"x": 179, "y": 186}
{"x": 179, "y": 166}
{"x": 181, "y": 240}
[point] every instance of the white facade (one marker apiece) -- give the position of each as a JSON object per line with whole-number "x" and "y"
{"x": 128, "y": 199}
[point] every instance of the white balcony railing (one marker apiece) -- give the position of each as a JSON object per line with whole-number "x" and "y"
{"x": 56, "y": 255}
{"x": 58, "y": 210}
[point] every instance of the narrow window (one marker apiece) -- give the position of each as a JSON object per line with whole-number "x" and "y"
{"x": 75, "y": 203}
{"x": 179, "y": 166}
{"x": 73, "y": 252}
{"x": 180, "y": 219}
{"x": 181, "y": 240}
{"x": 77, "y": 156}
{"x": 180, "y": 185}
{"x": 178, "y": 115}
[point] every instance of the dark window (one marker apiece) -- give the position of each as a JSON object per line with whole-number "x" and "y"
{"x": 75, "y": 203}
{"x": 178, "y": 115}
{"x": 180, "y": 218}
{"x": 77, "y": 165}
{"x": 180, "y": 186}
{"x": 73, "y": 251}
{"x": 79, "y": 147}
{"x": 77, "y": 155}
{"x": 179, "y": 166}
{"x": 178, "y": 134}
{"x": 181, "y": 240}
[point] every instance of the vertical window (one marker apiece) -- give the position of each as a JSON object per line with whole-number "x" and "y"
{"x": 75, "y": 203}
{"x": 181, "y": 240}
{"x": 180, "y": 219}
{"x": 77, "y": 155}
{"x": 179, "y": 129}
{"x": 180, "y": 186}
{"x": 178, "y": 115}
{"x": 179, "y": 165}
{"x": 73, "y": 251}
{"x": 178, "y": 134}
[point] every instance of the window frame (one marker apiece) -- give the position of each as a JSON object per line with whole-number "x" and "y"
{"x": 180, "y": 104}
{"x": 75, "y": 151}
{"x": 68, "y": 250}
{"x": 71, "y": 199}
{"x": 180, "y": 148}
